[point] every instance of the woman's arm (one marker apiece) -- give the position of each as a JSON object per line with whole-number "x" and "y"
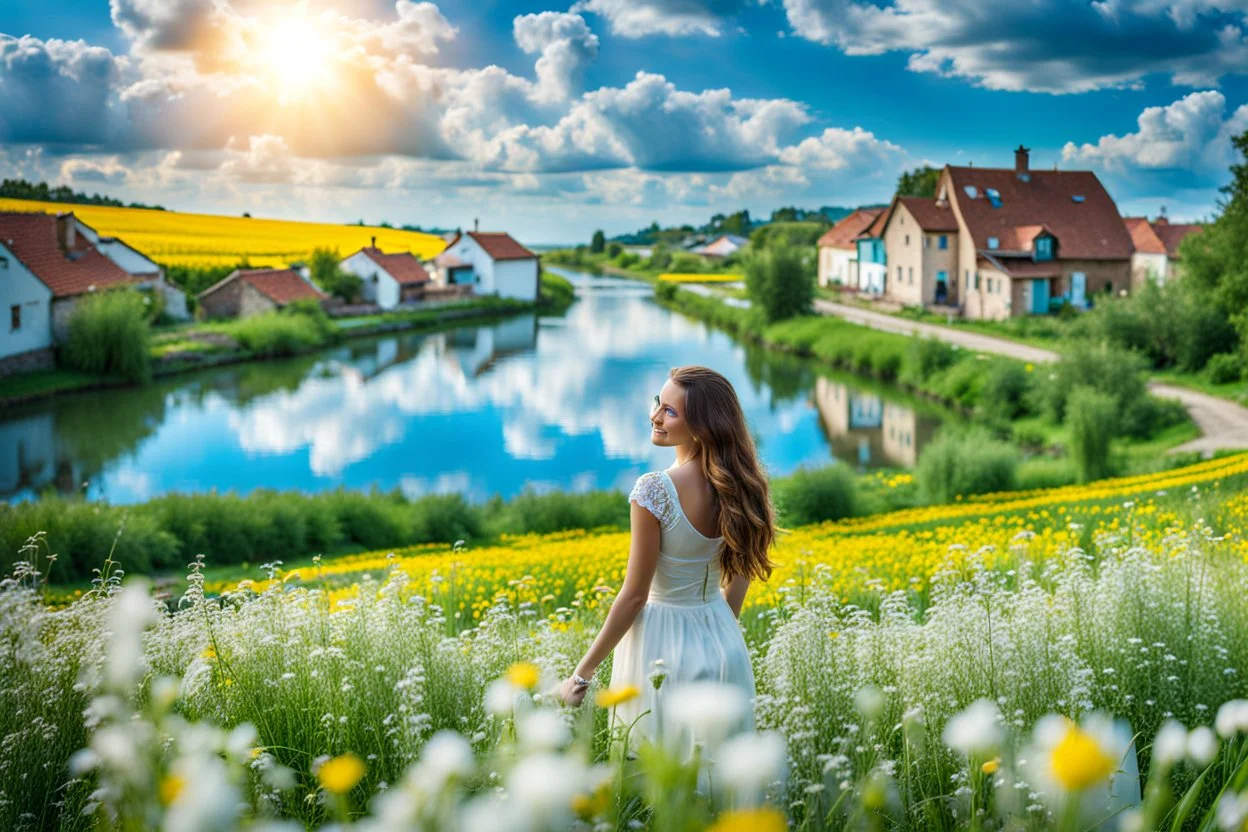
{"x": 643, "y": 558}
{"x": 734, "y": 593}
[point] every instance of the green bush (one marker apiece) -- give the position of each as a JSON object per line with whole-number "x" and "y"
{"x": 1120, "y": 374}
{"x": 925, "y": 358}
{"x": 1091, "y": 417}
{"x": 964, "y": 464}
{"x": 1004, "y": 393}
{"x": 613, "y": 250}
{"x": 531, "y": 512}
{"x": 660, "y": 257}
{"x": 278, "y": 333}
{"x": 814, "y": 495}
{"x": 665, "y": 290}
{"x": 961, "y": 383}
{"x": 332, "y": 279}
{"x": 555, "y": 291}
{"x": 685, "y": 262}
{"x": 1225, "y": 368}
{"x": 1046, "y": 472}
{"x": 109, "y": 334}
{"x": 779, "y": 283}
{"x": 627, "y": 260}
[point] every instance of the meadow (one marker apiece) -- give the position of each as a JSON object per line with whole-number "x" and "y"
{"x": 173, "y": 238}
{"x": 1029, "y": 660}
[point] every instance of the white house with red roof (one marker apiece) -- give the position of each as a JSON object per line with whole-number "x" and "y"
{"x": 501, "y": 265}
{"x": 247, "y": 292}
{"x": 1156, "y": 247}
{"x": 45, "y": 267}
{"x": 388, "y": 279}
{"x": 138, "y": 265}
{"x": 838, "y": 248}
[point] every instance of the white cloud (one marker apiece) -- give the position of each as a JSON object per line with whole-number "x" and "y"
{"x": 1055, "y": 46}
{"x": 565, "y": 45}
{"x": 638, "y": 18}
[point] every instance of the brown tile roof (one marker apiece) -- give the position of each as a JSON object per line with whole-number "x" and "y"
{"x": 843, "y": 234}
{"x": 402, "y": 266}
{"x": 929, "y": 214}
{"x": 876, "y": 228}
{"x": 1020, "y": 266}
{"x": 498, "y": 244}
{"x": 1143, "y": 237}
{"x": 33, "y": 240}
{"x": 1088, "y": 230}
{"x": 281, "y": 286}
{"x": 1172, "y": 233}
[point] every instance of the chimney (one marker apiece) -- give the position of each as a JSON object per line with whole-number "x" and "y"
{"x": 65, "y": 232}
{"x": 476, "y": 225}
{"x": 1022, "y": 158}
{"x": 372, "y": 242}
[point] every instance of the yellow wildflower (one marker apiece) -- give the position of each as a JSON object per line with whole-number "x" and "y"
{"x": 170, "y": 787}
{"x": 340, "y": 774}
{"x": 750, "y": 820}
{"x": 616, "y": 696}
{"x": 524, "y": 675}
{"x": 991, "y": 766}
{"x": 1078, "y": 761}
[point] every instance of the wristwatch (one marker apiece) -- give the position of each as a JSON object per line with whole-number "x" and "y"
{"x": 579, "y": 681}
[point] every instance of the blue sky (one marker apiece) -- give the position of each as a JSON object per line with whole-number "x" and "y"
{"x": 554, "y": 119}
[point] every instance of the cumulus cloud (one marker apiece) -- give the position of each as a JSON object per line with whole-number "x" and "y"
{"x": 57, "y": 92}
{"x": 1055, "y": 46}
{"x": 163, "y": 24}
{"x": 638, "y": 18}
{"x": 1191, "y": 134}
{"x": 565, "y": 45}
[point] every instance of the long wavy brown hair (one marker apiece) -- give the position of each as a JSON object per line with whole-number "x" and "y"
{"x": 747, "y": 520}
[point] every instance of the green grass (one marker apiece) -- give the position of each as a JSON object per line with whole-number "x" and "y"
{"x": 48, "y": 382}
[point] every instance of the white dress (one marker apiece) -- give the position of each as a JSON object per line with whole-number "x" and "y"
{"x": 686, "y": 622}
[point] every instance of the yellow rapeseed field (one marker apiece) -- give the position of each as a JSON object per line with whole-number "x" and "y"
{"x": 672, "y": 277}
{"x": 898, "y": 550}
{"x": 177, "y": 239}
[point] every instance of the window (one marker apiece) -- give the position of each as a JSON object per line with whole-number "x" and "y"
{"x": 994, "y": 196}
{"x": 976, "y": 281}
{"x": 1044, "y": 248}
{"x": 971, "y": 191}
{"x": 907, "y": 239}
{"x": 899, "y": 274}
{"x": 912, "y": 275}
{"x": 990, "y": 285}
{"x": 993, "y": 242}
{"x": 15, "y": 317}
{"x": 943, "y": 242}
{"x": 927, "y": 241}
{"x": 1077, "y": 198}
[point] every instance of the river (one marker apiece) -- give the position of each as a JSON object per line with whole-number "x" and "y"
{"x": 547, "y": 402}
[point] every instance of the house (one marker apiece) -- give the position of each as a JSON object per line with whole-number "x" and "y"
{"x": 450, "y": 270}
{"x": 872, "y": 258}
{"x": 388, "y": 279}
{"x": 147, "y": 272}
{"x": 247, "y": 292}
{"x": 725, "y": 245}
{"x": 46, "y": 266}
{"x": 920, "y": 237}
{"x": 838, "y": 248}
{"x": 501, "y": 265}
{"x": 1029, "y": 241}
{"x": 1156, "y": 247}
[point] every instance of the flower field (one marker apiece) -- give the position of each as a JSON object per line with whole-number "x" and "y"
{"x": 176, "y": 239}
{"x": 1044, "y": 660}
{"x": 672, "y": 277}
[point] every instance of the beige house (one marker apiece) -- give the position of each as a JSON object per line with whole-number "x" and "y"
{"x": 921, "y": 247}
{"x": 1156, "y": 247}
{"x": 1030, "y": 241}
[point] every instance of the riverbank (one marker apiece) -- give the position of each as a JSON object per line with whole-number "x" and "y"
{"x": 197, "y": 346}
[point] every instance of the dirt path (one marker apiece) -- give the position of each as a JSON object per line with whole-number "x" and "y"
{"x": 1223, "y": 423}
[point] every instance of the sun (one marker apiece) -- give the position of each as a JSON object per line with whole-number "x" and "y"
{"x": 298, "y": 57}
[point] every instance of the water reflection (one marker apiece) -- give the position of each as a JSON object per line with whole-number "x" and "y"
{"x": 542, "y": 403}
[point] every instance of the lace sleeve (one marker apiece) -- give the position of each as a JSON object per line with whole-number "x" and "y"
{"x": 651, "y": 494}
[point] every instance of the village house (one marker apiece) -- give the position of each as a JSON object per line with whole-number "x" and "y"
{"x": 1029, "y": 241}
{"x": 387, "y": 279}
{"x": 46, "y": 267}
{"x": 1156, "y": 247}
{"x": 725, "y": 245}
{"x": 247, "y": 292}
{"x": 146, "y": 272}
{"x": 921, "y": 248}
{"x": 500, "y": 265}
{"x": 838, "y": 248}
{"x": 872, "y": 259}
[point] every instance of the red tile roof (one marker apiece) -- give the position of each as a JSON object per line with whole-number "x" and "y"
{"x": 929, "y": 214}
{"x": 498, "y": 244}
{"x": 1090, "y": 229}
{"x": 843, "y": 234}
{"x": 282, "y": 286}
{"x": 876, "y": 228}
{"x": 1143, "y": 237}
{"x": 446, "y": 260}
{"x": 33, "y": 240}
{"x": 402, "y": 266}
{"x": 1172, "y": 234}
{"x": 1021, "y": 266}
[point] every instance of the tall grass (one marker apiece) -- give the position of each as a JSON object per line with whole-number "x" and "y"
{"x": 959, "y": 465}
{"x": 1090, "y": 414}
{"x": 109, "y": 334}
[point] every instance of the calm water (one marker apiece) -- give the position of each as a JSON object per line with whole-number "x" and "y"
{"x": 547, "y": 402}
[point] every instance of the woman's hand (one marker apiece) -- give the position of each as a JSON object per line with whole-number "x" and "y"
{"x": 570, "y": 693}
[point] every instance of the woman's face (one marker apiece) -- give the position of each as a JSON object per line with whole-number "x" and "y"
{"x": 667, "y": 417}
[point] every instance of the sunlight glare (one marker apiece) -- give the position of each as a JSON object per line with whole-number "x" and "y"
{"x": 298, "y": 56}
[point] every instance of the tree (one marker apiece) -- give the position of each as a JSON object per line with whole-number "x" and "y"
{"x": 331, "y": 278}
{"x": 918, "y": 182}
{"x": 779, "y": 283}
{"x": 1217, "y": 258}
{"x": 598, "y": 243}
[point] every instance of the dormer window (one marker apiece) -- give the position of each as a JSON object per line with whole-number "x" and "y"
{"x": 993, "y": 242}
{"x": 994, "y": 196}
{"x": 971, "y": 191}
{"x": 1077, "y": 198}
{"x": 1044, "y": 247}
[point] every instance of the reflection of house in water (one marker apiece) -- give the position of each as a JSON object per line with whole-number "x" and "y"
{"x": 27, "y": 454}
{"x": 475, "y": 349}
{"x": 865, "y": 430}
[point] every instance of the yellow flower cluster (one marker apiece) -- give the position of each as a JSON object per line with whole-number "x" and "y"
{"x": 175, "y": 238}
{"x": 899, "y": 550}
{"x": 701, "y": 278}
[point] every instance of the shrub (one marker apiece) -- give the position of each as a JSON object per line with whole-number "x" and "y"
{"x": 1225, "y": 368}
{"x": 327, "y": 274}
{"x": 613, "y": 250}
{"x": 1091, "y": 415}
{"x": 109, "y": 334}
{"x": 961, "y": 383}
{"x": 926, "y": 357}
{"x": 555, "y": 291}
{"x": 964, "y": 464}
{"x": 531, "y": 512}
{"x": 627, "y": 260}
{"x": 1118, "y": 373}
{"x": 1003, "y": 395}
{"x": 779, "y": 283}
{"x": 660, "y": 257}
{"x": 812, "y": 495}
{"x": 685, "y": 262}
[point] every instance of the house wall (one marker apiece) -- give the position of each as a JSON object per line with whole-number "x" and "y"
{"x": 366, "y": 269}
{"x": 466, "y": 249}
{"x": 516, "y": 279}
{"x": 935, "y": 260}
{"x": 252, "y": 302}
{"x": 131, "y": 261}
{"x": 903, "y": 247}
{"x": 836, "y": 265}
{"x": 62, "y": 311}
{"x": 236, "y": 299}
{"x": 872, "y": 265}
{"x": 19, "y": 287}
{"x": 175, "y": 301}
{"x": 1145, "y": 266}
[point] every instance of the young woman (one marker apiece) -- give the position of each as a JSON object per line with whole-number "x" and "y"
{"x": 701, "y": 531}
